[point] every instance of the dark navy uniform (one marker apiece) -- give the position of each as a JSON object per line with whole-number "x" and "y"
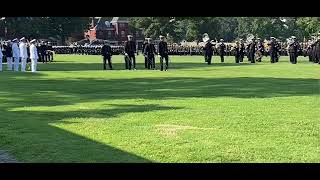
{"x": 317, "y": 52}
{"x": 293, "y": 52}
{"x": 242, "y": 51}
{"x": 145, "y": 58}
{"x": 130, "y": 49}
{"x": 251, "y": 51}
{"x": 149, "y": 52}
{"x": 50, "y": 52}
{"x": 222, "y": 49}
{"x": 42, "y": 50}
{"x": 163, "y": 52}
{"x": 237, "y": 53}
{"x": 260, "y": 51}
{"x": 106, "y": 53}
{"x": 272, "y": 50}
{"x": 208, "y": 52}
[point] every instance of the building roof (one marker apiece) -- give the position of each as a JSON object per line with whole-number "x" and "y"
{"x": 119, "y": 19}
{"x": 103, "y": 24}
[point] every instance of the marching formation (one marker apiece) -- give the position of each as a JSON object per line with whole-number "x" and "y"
{"x": 18, "y": 53}
{"x": 85, "y": 49}
{"x": 255, "y": 48}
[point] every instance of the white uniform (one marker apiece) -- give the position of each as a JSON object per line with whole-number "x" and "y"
{"x": 1, "y": 55}
{"x": 23, "y": 55}
{"x": 16, "y": 56}
{"x": 34, "y": 57}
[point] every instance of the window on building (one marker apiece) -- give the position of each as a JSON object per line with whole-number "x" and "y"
{"x": 121, "y": 25}
{"x": 123, "y": 34}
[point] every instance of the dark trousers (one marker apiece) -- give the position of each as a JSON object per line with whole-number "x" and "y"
{"x": 316, "y": 60}
{"x": 47, "y": 57}
{"x": 105, "y": 58}
{"x": 132, "y": 61}
{"x": 127, "y": 62}
{"x": 310, "y": 58}
{"x": 277, "y": 57}
{"x": 293, "y": 58}
{"x": 151, "y": 62}
{"x": 222, "y": 58}
{"x": 273, "y": 56}
{"x": 241, "y": 56}
{"x": 166, "y": 58}
{"x": 237, "y": 58}
{"x": 208, "y": 59}
{"x": 43, "y": 58}
{"x": 145, "y": 62}
{"x": 251, "y": 57}
{"x": 50, "y": 56}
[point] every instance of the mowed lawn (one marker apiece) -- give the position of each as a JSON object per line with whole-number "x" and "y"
{"x": 72, "y": 111}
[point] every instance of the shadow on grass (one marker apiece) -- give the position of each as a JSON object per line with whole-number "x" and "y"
{"x": 64, "y": 66}
{"x": 158, "y": 87}
{"x": 29, "y": 129}
{"x": 34, "y": 139}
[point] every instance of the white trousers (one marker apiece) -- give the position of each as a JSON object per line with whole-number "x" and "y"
{"x": 0, "y": 63}
{"x": 34, "y": 63}
{"x": 9, "y": 63}
{"x": 16, "y": 63}
{"x": 23, "y": 64}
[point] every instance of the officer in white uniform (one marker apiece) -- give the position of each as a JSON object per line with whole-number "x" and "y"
{"x": 33, "y": 55}
{"x": 23, "y": 53}
{"x": 15, "y": 54}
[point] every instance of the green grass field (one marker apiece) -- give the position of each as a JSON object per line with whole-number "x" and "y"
{"x": 72, "y": 111}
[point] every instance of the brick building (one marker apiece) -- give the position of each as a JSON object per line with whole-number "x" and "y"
{"x": 114, "y": 30}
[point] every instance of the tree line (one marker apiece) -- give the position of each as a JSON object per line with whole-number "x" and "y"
{"x": 177, "y": 28}
{"x": 228, "y": 28}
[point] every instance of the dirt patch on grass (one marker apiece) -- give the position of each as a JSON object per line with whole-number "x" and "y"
{"x": 172, "y": 130}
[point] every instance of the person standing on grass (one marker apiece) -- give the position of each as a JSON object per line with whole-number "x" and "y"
{"x": 237, "y": 53}
{"x": 208, "y": 52}
{"x": 1, "y": 56}
{"x": 23, "y": 54}
{"x": 252, "y": 50}
{"x": 317, "y": 50}
{"x": 222, "y": 49}
{"x": 8, "y": 53}
{"x": 130, "y": 50}
{"x": 242, "y": 50}
{"x": 260, "y": 50}
{"x": 309, "y": 50}
{"x": 163, "y": 52}
{"x": 28, "y": 52}
{"x": 149, "y": 52}
{"x": 43, "y": 50}
{"x": 272, "y": 50}
{"x": 50, "y": 52}
{"x": 106, "y": 53}
{"x": 145, "y": 58}
{"x": 15, "y": 54}
{"x": 33, "y": 55}
{"x": 293, "y": 50}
